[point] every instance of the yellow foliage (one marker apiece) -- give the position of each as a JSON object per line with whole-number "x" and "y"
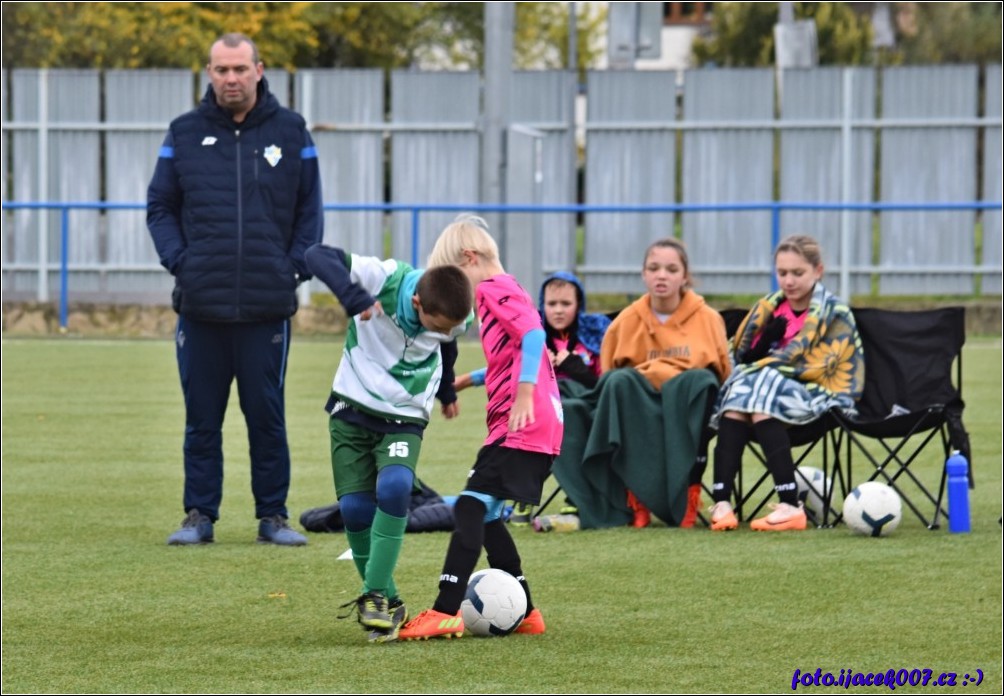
{"x": 124, "y": 35}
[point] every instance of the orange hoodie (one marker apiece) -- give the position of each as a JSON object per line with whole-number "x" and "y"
{"x": 692, "y": 337}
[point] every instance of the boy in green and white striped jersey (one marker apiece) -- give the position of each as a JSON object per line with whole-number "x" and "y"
{"x": 399, "y": 355}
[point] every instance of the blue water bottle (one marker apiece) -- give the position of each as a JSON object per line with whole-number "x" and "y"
{"x": 957, "y": 469}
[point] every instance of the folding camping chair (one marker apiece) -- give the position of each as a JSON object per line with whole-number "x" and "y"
{"x": 822, "y": 435}
{"x": 912, "y": 397}
{"x": 547, "y": 501}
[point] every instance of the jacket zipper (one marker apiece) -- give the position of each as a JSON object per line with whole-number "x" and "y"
{"x": 240, "y": 223}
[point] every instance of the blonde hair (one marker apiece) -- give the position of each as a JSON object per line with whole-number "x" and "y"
{"x": 803, "y": 245}
{"x": 466, "y": 233}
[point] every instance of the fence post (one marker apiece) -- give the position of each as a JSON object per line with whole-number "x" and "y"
{"x": 499, "y": 18}
{"x": 846, "y": 179}
{"x": 43, "y": 184}
{"x": 414, "y": 237}
{"x": 64, "y": 262}
{"x": 775, "y": 238}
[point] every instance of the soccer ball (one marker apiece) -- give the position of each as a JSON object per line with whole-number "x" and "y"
{"x": 873, "y": 509}
{"x": 494, "y": 605}
{"x": 812, "y": 488}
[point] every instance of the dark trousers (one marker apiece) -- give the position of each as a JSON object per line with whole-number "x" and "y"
{"x": 210, "y": 356}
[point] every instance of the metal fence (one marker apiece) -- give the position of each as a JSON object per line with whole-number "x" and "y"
{"x": 901, "y": 184}
{"x": 533, "y": 271}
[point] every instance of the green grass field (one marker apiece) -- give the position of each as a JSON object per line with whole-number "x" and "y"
{"x": 94, "y": 601}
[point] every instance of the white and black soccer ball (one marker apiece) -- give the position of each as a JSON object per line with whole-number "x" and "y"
{"x": 494, "y": 605}
{"x": 812, "y": 488}
{"x": 873, "y": 509}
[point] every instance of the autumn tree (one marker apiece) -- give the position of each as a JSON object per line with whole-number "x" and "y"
{"x": 145, "y": 35}
{"x": 289, "y": 34}
{"x": 947, "y": 32}
{"x": 448, "y": 34}
{"x": 542, "y": 34}
{"x": 366, "y": 34}
{"x": 742, "y": 33}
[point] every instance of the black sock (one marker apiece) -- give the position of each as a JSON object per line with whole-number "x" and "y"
{"x": 700, "y": 466}
{"x": 732, "y": 438}
{"x": 462, "y": 555}
{"x": 502, "y": 554}
{"x": 776, "y": 445}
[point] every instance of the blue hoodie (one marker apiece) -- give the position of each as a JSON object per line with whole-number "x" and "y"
{"x": 587, "y": 328}
{"x": 586, "y": 331}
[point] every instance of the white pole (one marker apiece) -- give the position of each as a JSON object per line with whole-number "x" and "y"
{"x": 846, "y": 175}
{"x": 573, "y": 147}
{"x": 305, "y": 106}
{"x": 499, "y": 18}
{"x": 573, "y": 39}
{"x": 43, "y": 184}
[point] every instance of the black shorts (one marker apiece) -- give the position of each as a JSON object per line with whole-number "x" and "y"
{"x": 510, "y": 474}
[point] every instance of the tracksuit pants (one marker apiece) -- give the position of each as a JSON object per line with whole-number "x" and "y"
{"x": 210, "y": 356}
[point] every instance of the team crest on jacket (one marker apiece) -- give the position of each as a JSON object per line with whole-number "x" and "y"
{"x": 273, "y": 154}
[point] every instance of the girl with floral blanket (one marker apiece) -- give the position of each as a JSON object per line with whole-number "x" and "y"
{"x": 797, "y": 354}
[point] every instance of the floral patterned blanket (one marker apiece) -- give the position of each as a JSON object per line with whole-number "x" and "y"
{"x": 822, "y": 367}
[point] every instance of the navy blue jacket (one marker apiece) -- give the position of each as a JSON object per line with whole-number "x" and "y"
{"x": 232, "y": 207}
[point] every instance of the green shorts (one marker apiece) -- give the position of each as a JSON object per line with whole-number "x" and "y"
{"x": 358, "y": 454}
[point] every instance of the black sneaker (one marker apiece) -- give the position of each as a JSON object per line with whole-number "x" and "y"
{"x": 196, "y": 528}
{"x": 371, "y": 610}
{"x": 398, "y": 616}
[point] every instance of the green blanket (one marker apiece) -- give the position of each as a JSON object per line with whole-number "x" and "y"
{"x": 624, "y": 435}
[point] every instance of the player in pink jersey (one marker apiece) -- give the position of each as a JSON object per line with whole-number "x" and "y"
{"x": 524, "y": 429}
{"x": 573, "y": 338}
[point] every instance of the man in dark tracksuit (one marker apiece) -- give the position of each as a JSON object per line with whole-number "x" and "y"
{"x": 234, "y": 202}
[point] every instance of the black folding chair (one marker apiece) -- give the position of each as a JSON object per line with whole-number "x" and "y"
{"x": 912, "y": 397}
{"x": 547, "y": 501}
{"x": 822, "y": 436}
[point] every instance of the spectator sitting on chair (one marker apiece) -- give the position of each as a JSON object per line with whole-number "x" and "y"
{"x": 632, "y": 444}
{"x": 573, "y": 347}
{"x": 797, "y": 355}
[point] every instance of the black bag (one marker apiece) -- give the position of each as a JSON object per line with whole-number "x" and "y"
{"x": 427, "y": 513}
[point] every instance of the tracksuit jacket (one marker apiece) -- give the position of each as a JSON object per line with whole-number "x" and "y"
{"x": 232, "y": 207}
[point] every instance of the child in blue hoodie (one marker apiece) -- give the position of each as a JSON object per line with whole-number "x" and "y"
{"x": 573, "y": 335}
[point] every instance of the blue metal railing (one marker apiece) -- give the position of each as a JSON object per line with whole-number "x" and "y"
{"x": 416, "y": 209}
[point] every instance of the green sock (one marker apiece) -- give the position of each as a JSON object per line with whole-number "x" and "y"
{"x": 359, "y": 542}
{"x": 386, "y": 539}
